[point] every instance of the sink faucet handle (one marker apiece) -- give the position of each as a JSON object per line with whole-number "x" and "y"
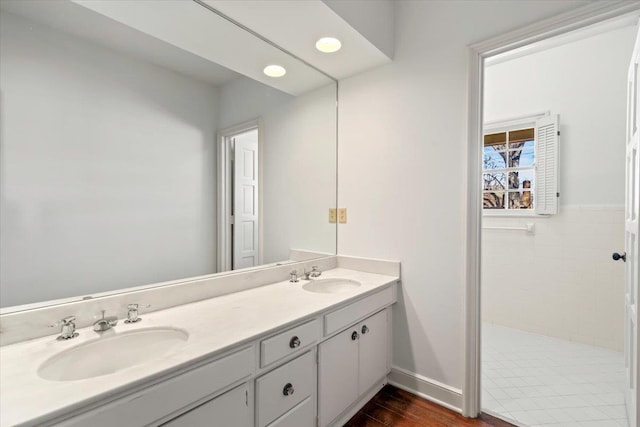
{"x": 133, "y": 312}
{"x": 67, "y": 328}
{"x": 293, "y": 277}
{"x": 68, "y": 320}
{"x": 315, "y": 271}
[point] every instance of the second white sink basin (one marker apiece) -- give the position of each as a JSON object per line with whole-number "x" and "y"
{"x": 330, "y": 286}
{"x": 109, "y": 354}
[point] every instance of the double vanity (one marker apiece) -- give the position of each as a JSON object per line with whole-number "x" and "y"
{"x": 288, "y": 353}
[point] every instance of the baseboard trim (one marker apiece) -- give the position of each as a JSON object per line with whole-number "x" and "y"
{"x": 434, "y": 391}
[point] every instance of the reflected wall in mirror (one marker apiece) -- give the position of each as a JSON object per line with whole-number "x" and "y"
{"x": 118, "y": 136}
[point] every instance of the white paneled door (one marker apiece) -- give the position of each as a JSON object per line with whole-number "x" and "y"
{"x": 631, "y": 254}
{"x": 245, "y": 200}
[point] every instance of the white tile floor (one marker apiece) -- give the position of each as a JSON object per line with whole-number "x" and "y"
{"x": 536, "y": 380}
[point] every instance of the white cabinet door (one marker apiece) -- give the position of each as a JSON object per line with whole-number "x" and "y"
{"x": 229, "y": 409}
{"x": 337, "y": 374}
{"x": 374, "y": 350}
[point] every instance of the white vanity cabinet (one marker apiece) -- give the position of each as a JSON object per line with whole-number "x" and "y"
{"x": 233, "y": 408}
{"x": 314, "y": 371}
{"x": 350, "y": 364}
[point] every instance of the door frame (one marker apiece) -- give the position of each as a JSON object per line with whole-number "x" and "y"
{"x": 225, "y": 192}
{"x": 597, "y": 12}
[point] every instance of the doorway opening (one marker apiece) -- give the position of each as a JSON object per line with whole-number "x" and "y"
{"x": 540, "y": 257}
{"x": 239, "y": 219}
{"x": 553, "y": 212}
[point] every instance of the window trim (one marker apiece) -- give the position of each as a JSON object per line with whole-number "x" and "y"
{"x": 502, "y": 125}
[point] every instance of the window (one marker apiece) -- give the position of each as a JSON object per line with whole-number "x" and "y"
{"x": 519, "y": 167}
{"x": 508, "y": 170}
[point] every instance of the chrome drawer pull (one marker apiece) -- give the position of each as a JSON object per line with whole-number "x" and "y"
{"x": 288, "y": 389}
{"x": 295, "y": 342}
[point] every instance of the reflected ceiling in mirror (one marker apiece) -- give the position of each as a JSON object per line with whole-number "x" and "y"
{"x": 142, "y": 143}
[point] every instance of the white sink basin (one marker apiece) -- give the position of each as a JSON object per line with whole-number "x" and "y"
{"x": 109, "y": 354}
{"x": 330, "y": 286}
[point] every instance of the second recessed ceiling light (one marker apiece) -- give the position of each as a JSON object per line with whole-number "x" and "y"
{"x": 274, "y": 71}
{"x": 328, "y": 45}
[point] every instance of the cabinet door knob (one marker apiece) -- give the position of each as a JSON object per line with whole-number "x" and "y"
{"x": 365, "y": 329}
{"x": 295, "y": 342}
{"x": 288, "y": 389}
{"x": 354, "y": 336}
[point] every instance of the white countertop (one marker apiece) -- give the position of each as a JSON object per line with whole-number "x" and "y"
{"x": 214, "y": 325}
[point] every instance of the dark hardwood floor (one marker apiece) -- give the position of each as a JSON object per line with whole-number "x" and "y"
{"x": 395, "y": 407}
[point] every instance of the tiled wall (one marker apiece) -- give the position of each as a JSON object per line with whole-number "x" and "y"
{"x": 560, "y": 281}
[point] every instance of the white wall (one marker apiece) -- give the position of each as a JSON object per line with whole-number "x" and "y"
{"x": 585, "y": 83}
{"x": 402, "y": 168}
{"x": 89, "y": 136}
{"x": 561, "y": 281}
{"x": 299, "y": 151}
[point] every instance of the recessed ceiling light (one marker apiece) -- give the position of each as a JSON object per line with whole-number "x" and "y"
{"x": 274, "y": 71}
{"x": 328, "y": 45}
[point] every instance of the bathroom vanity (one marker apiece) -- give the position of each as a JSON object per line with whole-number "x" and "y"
{"x": 284, "y": 354}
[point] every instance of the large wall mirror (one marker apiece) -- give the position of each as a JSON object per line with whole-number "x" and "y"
{"x": 142, "y": 143}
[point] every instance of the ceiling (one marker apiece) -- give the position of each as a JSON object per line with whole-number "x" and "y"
{"x": 79, "y": 21}
{"x": 297, "y": 25}
{"x": 189, "y": 37}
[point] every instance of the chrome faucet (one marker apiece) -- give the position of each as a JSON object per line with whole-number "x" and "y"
{"x": 293, "y": 277}
{"x": 315, "y": 272}
{"x": 132, "y": 314}
{"x": 105, "y": 323}
{"x": 67, "y": 328}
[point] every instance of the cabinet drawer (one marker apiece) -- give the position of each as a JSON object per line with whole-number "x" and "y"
{"x": 153, "y": 403}
{"x": 283, "y": 388}
{"x": 230, "y": 409}
{"x": 352, "y": 313}
{"x": 300, "y": 416}
{"x": 288, "y": 342}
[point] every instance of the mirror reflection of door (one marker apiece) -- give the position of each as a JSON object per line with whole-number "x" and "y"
{"x": 244, "y": 206}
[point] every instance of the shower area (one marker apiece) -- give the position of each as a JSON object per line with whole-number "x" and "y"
{"x": 552, "y": 294}
{"x": 552, "y": 330}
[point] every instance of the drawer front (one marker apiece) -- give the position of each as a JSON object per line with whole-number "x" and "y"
{"x": 300, "y": 416}
{"x": 352, "y": 313}
{"x": 288, "y": 342}
{"x": 160, "y": 400}
{"x": 230, "y": 409}
{"x": 283, "y": 388}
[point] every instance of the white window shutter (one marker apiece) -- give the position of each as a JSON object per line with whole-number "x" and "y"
{"x": 547, "y": 156}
